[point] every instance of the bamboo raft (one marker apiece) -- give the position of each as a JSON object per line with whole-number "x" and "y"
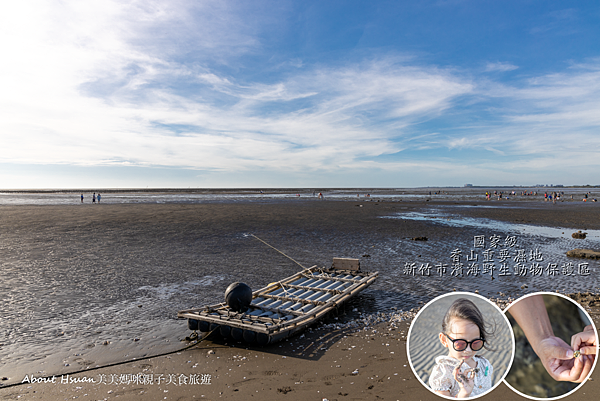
{"x": 284, "y": 308}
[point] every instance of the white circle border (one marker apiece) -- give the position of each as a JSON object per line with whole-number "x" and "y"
{"x": 471, "y": 294}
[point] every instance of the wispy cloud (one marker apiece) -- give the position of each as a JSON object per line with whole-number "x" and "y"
{"x": 543, "y": 121}
{"x": 498, "y": 66}
{"x": 558, "y": 22}
{"x": 321, "y": 119}
{"x": 116, "y": 104}
{"x": 163, "y": 84}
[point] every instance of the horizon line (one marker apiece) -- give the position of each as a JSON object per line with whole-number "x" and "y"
{"x": 275, "y": 189}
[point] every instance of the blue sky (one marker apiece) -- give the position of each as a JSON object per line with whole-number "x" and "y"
{"x": 259, "y": 94}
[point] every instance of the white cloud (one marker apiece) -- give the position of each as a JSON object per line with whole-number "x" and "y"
{"x": 543, "y": 118}
{"x": 499, "y": 66}
{"x": 153, "y": 83}
{"x": 95, "y": 90}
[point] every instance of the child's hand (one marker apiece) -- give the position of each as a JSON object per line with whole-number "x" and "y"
{"x": 466, "y": 381}
{"x": 585, "y": 342}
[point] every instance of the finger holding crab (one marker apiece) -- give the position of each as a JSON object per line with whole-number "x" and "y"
{"x": 465, "y": 380}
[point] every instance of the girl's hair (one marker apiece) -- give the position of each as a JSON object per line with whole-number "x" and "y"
{"x": 465, "y": 309}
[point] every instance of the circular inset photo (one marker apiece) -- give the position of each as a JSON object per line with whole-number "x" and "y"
{"x": 556, "y": 346}
{"x": 460, "y": 345}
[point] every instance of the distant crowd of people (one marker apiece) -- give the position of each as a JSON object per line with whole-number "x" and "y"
{"x": 554, "y": 196}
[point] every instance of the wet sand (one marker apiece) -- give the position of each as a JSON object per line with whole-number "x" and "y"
{"x": 332, "y": 364}
{"x": 138, "y": 246}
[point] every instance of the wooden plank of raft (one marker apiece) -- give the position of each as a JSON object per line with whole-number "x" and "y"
{"x": 326, "y": 277}
{"x": 281, "y": 311}
{"x": 292, "y": 299}
{"x": 329, "y": 305}
{"x": 304, "y": 287}
{"x": 239, "y": 317}
{"x": 254, "y": 326}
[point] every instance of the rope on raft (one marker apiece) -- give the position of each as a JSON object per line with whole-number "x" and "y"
{"x": 271, "y": 246}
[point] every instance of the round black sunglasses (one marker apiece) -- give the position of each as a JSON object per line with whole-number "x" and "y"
{"x": 461, "y": 345}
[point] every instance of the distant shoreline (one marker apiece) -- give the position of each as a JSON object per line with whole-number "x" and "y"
{"x": 289, "y": 190}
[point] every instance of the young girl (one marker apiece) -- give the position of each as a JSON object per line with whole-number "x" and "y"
{"x": 462, "y": 373}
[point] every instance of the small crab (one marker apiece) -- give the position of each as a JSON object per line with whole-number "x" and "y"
{"x": 467, "y": 375}
{"x": 464, "y": 378}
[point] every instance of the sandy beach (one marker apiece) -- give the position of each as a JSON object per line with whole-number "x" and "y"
{"x": 134, "y": 266}
{"x": 326, "y": 363}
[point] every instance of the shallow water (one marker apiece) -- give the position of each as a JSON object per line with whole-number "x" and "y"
{"x": 64, "y": 298}
{"x": 539, "y": 245}
{"x": 447, "y": 216}
{"x": 245, "y": 195}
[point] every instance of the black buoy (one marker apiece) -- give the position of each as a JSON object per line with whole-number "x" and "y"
{"x": 203, "y": 326}
{"x": 249, "y": 336}
{"x": 262, "y": 338}
{"x": 237, "y": 334}
{"x": 225, "y": 331}
{"x": 238, "y": 296}
{"x": 192, "y": 324}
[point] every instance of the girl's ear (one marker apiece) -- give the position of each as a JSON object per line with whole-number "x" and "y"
{"x": 442, "y": 338}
